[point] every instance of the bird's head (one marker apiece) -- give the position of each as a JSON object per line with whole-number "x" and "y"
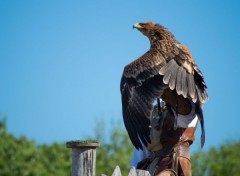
{"x": 154, "y": 31}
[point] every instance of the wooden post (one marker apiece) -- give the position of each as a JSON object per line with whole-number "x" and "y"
{"x": 83, "y": 157}
{"x": 136, "y": 172}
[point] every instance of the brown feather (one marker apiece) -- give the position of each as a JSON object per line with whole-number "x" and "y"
{"x": 166, "y": 71}
{"x": 172, "y": 81}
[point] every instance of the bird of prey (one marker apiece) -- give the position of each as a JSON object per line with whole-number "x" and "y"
{"x": 167, "y": 71}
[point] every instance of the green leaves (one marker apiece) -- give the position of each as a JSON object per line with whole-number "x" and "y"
{"x": 22, "y": 157}
{"x": 117, "y": 151}
{"x": 218, "y": 161}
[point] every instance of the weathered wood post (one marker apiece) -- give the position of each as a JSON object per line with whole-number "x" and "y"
{"x": 83, "y": 157}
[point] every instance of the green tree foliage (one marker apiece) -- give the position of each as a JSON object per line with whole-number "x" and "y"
{"x": 221, "y": 161}
{"x": 22, "y": 157}
{"x": 117, "y": 151}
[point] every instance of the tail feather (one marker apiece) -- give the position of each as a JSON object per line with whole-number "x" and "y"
{"x": 201, "y": 119}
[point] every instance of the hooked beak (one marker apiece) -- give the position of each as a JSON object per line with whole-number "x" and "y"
{"x": 137, "y": 25}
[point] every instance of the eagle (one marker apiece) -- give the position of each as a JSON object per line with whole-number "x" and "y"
{"x": 166, "y": 71}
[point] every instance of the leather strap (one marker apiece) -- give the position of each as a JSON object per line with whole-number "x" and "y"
{"x": 167, "y": 172}
{"x": 182, "y": 150}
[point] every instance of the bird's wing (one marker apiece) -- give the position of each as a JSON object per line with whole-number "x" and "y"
{"x": 140, "y": 85}
{"x": 182, "y": 74}
{"x": 184, "y": 77}
{"x": 148, "y": 77}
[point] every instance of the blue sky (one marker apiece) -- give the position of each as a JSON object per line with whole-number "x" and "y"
{"x": 61, "y": 62}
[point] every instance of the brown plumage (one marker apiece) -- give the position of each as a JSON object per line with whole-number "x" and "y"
{"x": 166, "y": 71}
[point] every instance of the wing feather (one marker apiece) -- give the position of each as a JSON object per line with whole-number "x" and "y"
{"x": 200, "y": 85}
{"x": 178, "y": 82}
{"x": 131, "y": 127}
{"x": 172, "y": 82}
{"x": 145, "y": 80}
{"x": 138, "y": 107}
{"x": 191, "y": 88}
{"x": 184, "y": 83}
{"x": 141, "y": 84}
